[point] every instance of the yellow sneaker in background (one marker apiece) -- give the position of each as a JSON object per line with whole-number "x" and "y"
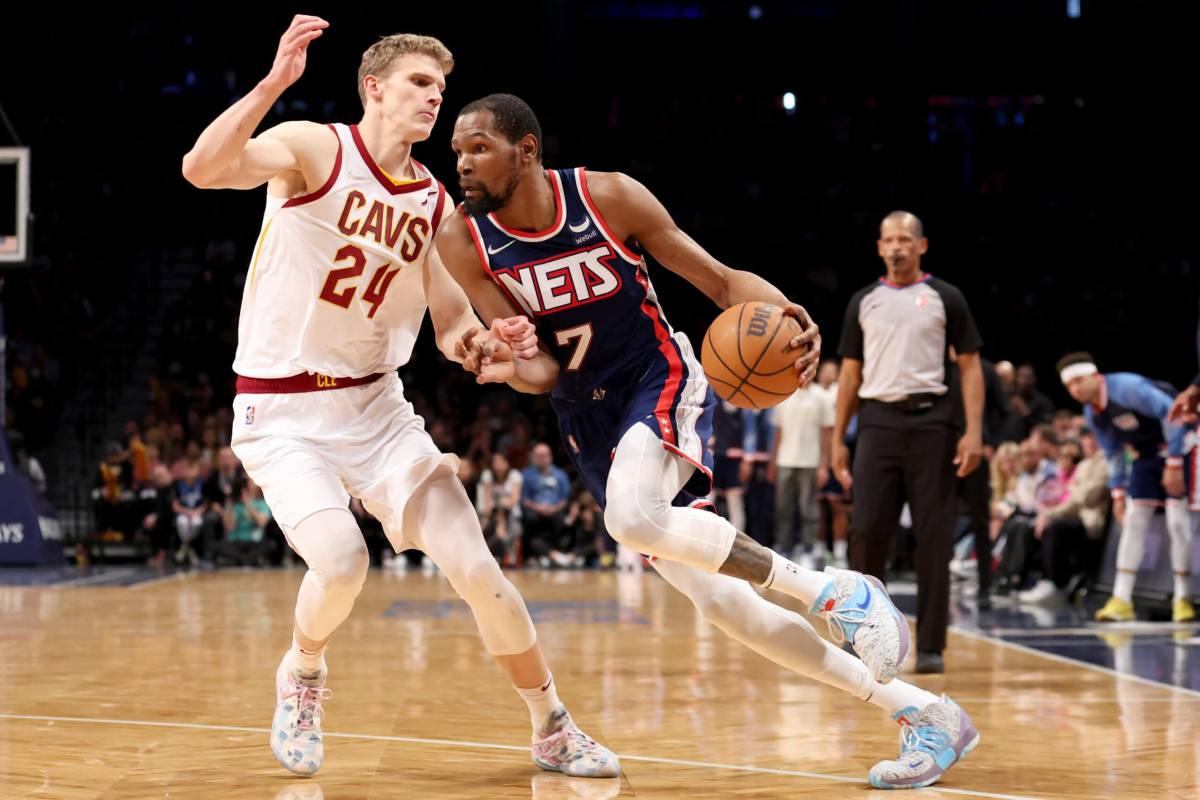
{"x": 1115, "y": 610}
{"x": 1182, "y": 611}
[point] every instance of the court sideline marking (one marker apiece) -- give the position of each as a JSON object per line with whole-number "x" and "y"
{"x": 487, "y": 746}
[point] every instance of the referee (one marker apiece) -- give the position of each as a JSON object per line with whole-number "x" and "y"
{"x": 895, "y": 363}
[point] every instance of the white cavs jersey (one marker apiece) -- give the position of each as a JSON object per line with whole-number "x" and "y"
{"x": 335, "y": 283}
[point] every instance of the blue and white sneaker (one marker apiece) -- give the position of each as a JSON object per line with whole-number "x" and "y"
{"x": 568, "y": 750}
{"x": 930, "y": 744}
{"x": 858, "y": 610}
{"x": 296, "y": 738}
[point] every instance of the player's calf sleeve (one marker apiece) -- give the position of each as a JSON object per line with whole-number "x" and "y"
{"x": 454, "y": 542}
{"x": 1179, "y": 529}
{"x": 331, "y": 544}
{"x": 1131, "y": 548}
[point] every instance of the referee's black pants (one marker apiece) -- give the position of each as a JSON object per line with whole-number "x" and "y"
{"x": 903, "y": 456}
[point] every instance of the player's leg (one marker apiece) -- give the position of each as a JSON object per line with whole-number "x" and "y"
{"x": 786, "y": 638}
{"x": 643, "y": 481}
{"x": 1179, "y": 529}
{"x": 1143, "y": 494}
{"x": 311, "y": 505}
{"x": 440, "y": 519}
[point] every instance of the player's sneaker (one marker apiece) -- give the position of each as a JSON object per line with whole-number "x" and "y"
{"x": 296, "y": 737}
{"x": 1182, "y": 611}
{"x": 858, "y": 610}
{"x": 1116, "y": 610}
{"x": 931, "y": 743}
{"x": 566, "y": 749}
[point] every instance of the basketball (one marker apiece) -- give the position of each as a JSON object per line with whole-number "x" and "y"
{"x": 746, "y": 357}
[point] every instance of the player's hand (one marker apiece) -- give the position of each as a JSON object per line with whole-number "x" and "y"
{"x": 772, "y": 472}
{"x": 518, "y": 333}
{"x": 490, "y": 359}
{"x": 840, "y": 457}
{"x": 822, "y": 477}
{"x": 1172, "y": 481}
{"x": 745, "y": 470}
{"x": 292, "y": 54}
{"x": 810, "y": 338}
{"x": 1119, "y": 508}
{"x": 970, "y": 453}
{"x": 1183, "y": 410}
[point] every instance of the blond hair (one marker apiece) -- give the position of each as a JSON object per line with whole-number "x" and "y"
{"x": 1003, "y": 481}
{"x": 379, "y": 57}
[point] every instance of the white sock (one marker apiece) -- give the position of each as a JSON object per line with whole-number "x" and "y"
{"x": 308, "y": 664}
{"x": 1182, "y": 589}
{"x": 1179, "y": 529}
{"x": 542, "y": 701}
{"x": 839, "y": 549}
{"x": 818, "y": 550}
{"x": 900, "y": 699}
{"x": 1123, "y": 585}
{"x": 805, "y": 585}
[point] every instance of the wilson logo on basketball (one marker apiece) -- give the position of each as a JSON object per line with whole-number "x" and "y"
{"x": 567, "y": 281}
{"x": 757, "y": 326}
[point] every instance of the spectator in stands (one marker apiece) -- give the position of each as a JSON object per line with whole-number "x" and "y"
{"x": 800, "y": 448}
{"x": 544, "y": 492}
{"x": 159, "y": 521}
{"x": 593, "y": 544}
{"x": 1072, "y": 532}
{"x": 1064, "y": 425}
{"x": 112, "y": 491}
{"x": 189, "y": 512}
{"x": 1027, "y": 406}
{"x": 24, "y": 463}
{"x": 246, "y": 519}
{"x": 498, "y": 500}
{"x": 1005, "y": 472}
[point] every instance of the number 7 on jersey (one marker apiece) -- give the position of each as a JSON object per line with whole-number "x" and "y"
{"x": 584, "y": 334}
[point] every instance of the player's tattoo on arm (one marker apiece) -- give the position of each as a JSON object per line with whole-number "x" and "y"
{"x": 748, "y": 560}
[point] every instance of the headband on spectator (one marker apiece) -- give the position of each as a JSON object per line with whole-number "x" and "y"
{"x": 1072, "y": 371}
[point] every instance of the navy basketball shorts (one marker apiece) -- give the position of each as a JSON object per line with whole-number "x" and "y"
{"x": 1145, "y": 480}
{"x": 673, "y": 401}
{"x": 726, "y": 473}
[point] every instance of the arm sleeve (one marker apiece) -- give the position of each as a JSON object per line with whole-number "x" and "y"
{"x": 1144, "y": 397}
{"x": 961, "y": 331}
{"x": 1115, "y": 454}
{"x": 851, "y": 344}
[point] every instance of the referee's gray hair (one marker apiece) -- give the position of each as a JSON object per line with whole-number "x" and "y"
{"x": 905, "y": 216}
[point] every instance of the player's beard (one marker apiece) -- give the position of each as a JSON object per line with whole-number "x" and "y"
{"x": 486, "y": 202}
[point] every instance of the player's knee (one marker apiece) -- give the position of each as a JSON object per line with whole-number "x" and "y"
{"x": 477, "y": 580}
{"x": 633, "y": 521}
{"x": 344, "y": 566}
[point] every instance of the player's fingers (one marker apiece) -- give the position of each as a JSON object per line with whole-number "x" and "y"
{"x": 808, "y": 336}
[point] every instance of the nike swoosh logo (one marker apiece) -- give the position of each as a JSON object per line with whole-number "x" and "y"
{"x": 866, "y": 603}
{"x": 492, "y": 251}
{"x": 580, "y": 228}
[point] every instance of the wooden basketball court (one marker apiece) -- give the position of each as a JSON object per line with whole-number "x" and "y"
{"x": 164, "y": 690}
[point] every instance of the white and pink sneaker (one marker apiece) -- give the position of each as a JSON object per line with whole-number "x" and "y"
{"x": 566, "y": 749}
{"x": 296, "y": 737}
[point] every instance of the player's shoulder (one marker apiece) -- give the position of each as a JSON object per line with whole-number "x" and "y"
{"x": 453, "y": 237}
{"x": 610, "y": 187}
{"x": 945, "y": 288}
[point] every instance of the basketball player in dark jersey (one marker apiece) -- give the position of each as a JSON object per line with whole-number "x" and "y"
{"x": 567, "y": 249}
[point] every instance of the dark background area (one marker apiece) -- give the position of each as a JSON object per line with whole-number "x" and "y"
{"x": 1051, "y": 158}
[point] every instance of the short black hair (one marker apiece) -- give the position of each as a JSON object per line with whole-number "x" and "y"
{"x": 512, "y": 117}
{"x": 1079, "y": 357}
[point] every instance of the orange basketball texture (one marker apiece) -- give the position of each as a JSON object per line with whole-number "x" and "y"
{"x": 746, "y": 358}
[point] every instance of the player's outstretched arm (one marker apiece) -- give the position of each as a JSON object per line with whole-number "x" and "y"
{"x": 225, "y": 157}
{"x": 633, "y": 212}
{"x": 534, "y": 371}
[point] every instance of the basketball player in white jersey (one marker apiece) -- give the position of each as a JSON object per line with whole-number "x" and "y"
{"x": 335, "y": 295}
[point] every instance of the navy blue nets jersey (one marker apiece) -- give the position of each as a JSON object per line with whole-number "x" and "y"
{"x": 588, "y": 293}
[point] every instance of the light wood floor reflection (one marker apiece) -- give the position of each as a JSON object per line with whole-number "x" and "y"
{"x": 164, "y": 690}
